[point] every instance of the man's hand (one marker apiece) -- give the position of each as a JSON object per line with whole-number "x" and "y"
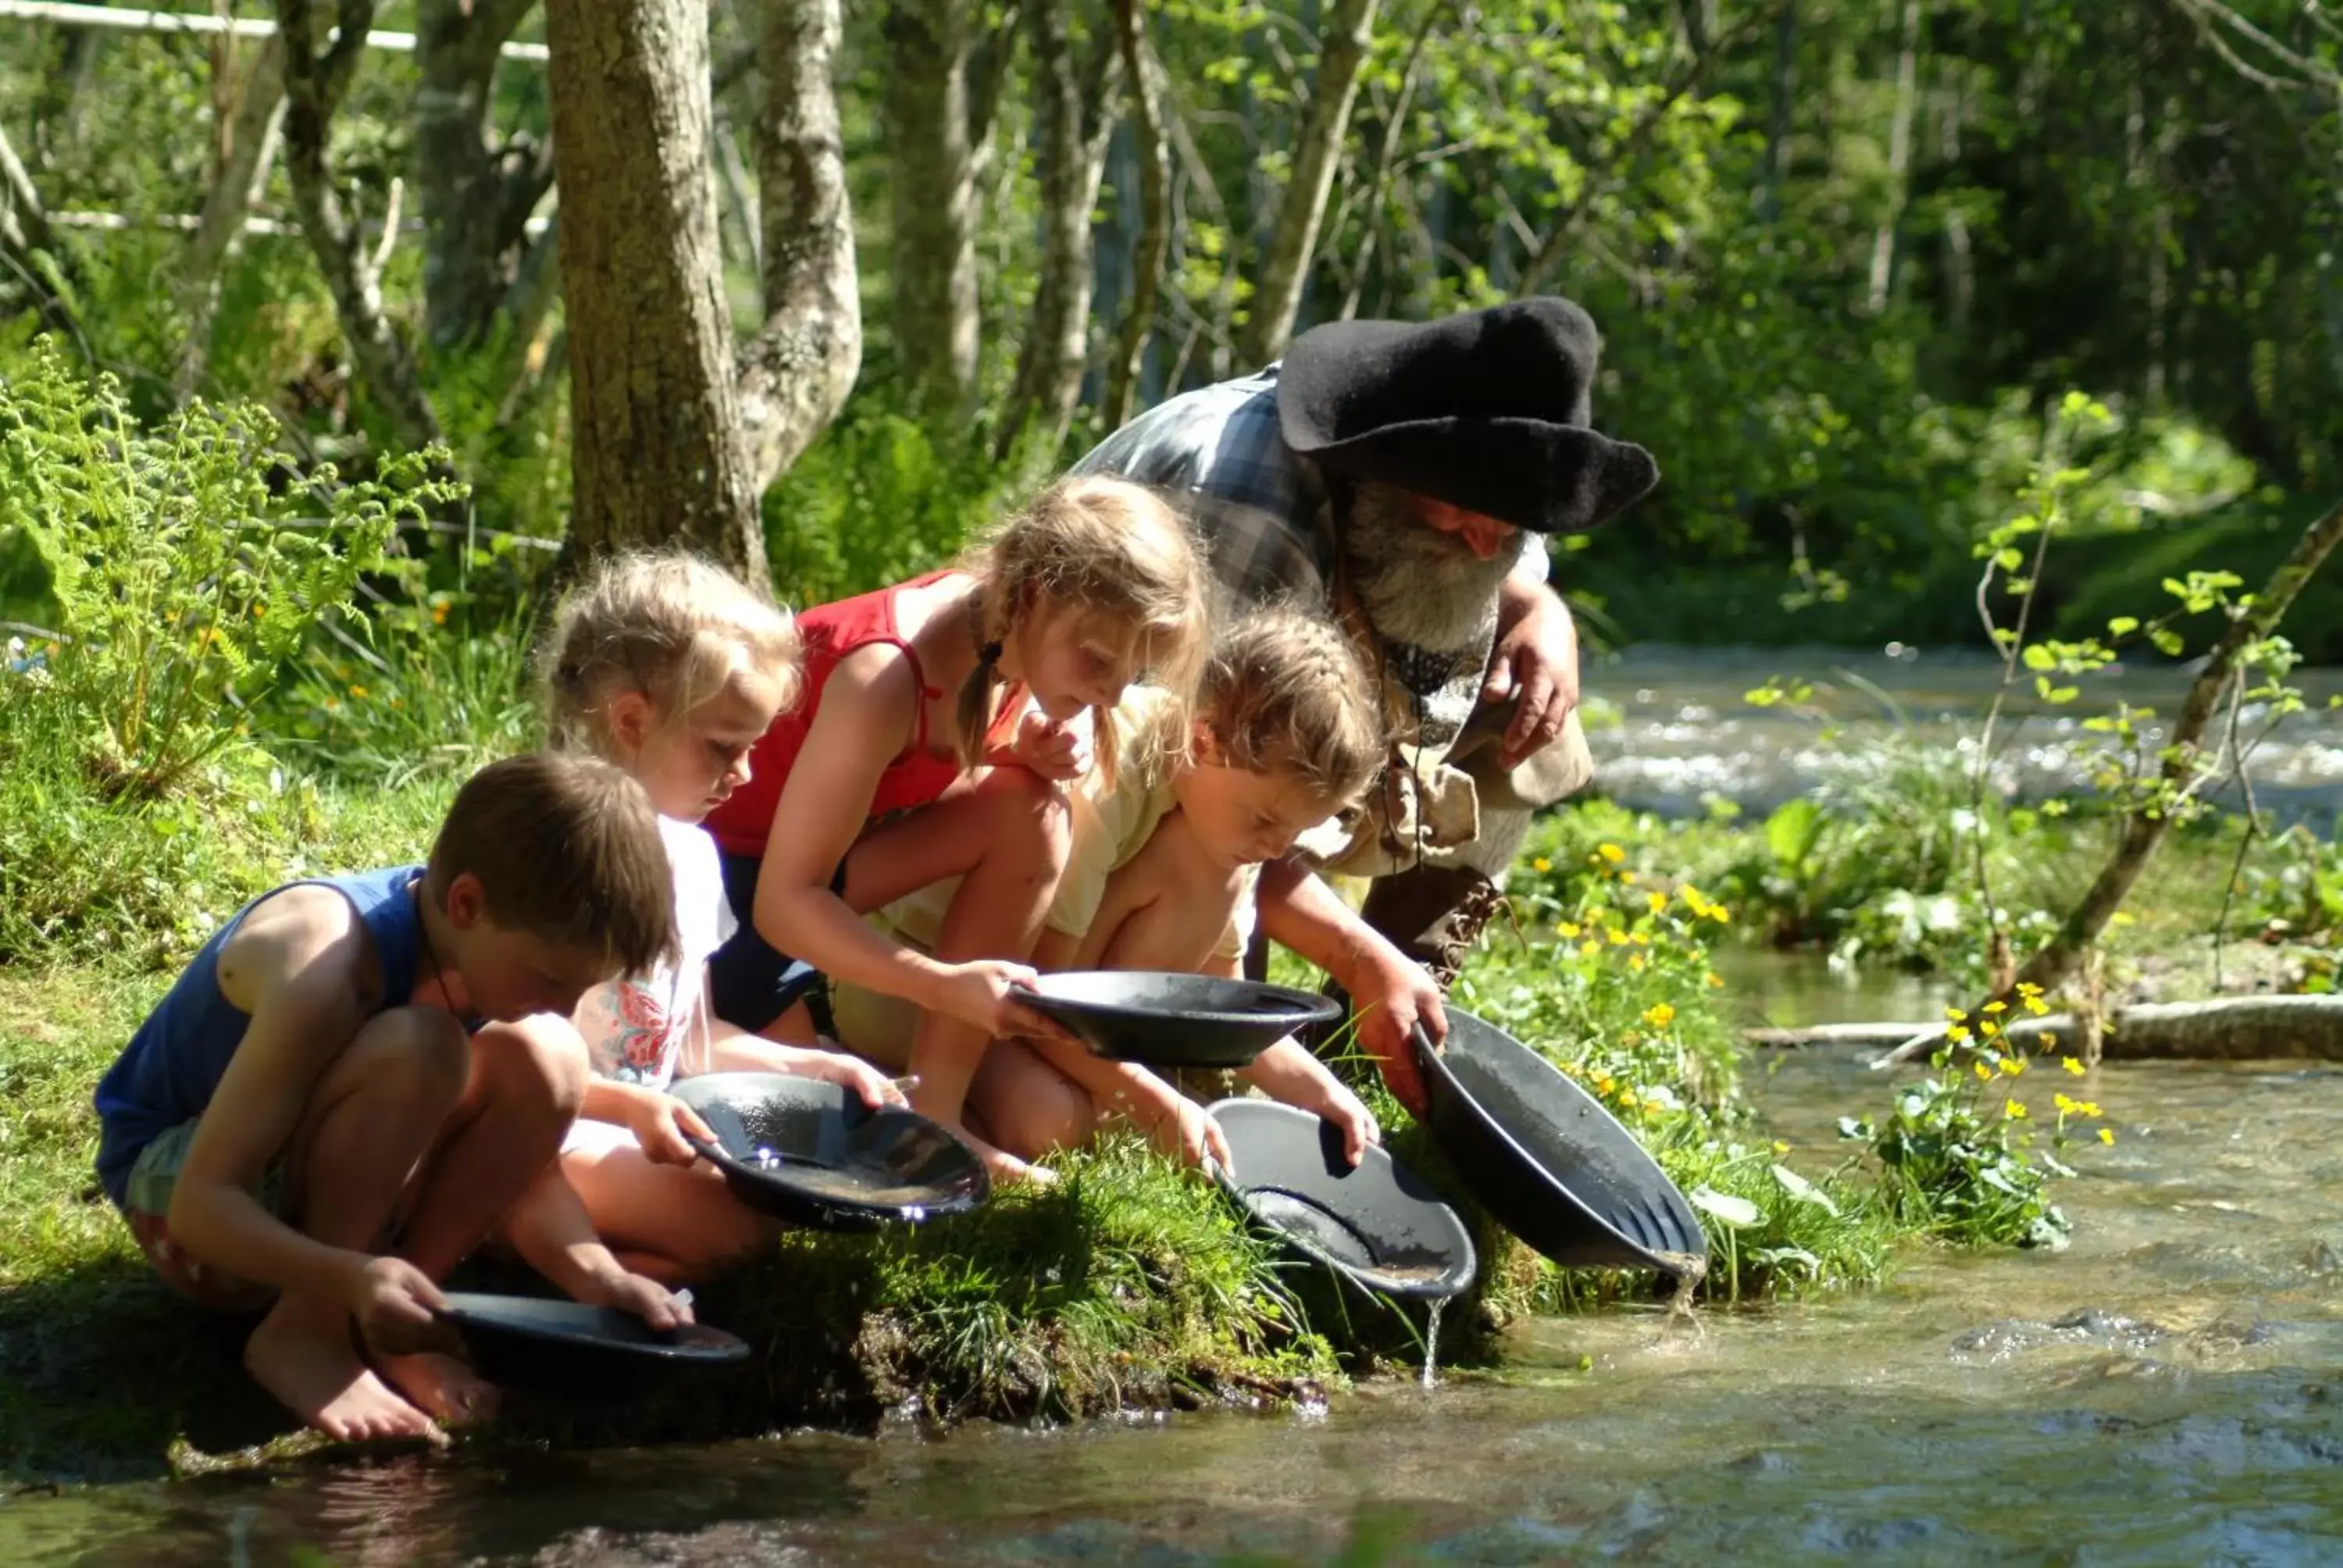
{"x": 1391, "y": 995}
{"x": 1536, "y": 662}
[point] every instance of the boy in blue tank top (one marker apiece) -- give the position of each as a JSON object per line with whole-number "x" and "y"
{"x": 308, "y": 1090}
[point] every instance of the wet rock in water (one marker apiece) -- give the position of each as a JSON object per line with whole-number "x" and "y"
{"x": 2321, "y": 1259}
{"x": 2086, "y": 1326}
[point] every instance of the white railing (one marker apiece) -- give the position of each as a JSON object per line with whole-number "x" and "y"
{"x": 131, "y": 21}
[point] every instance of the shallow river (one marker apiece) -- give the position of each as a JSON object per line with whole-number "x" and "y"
{"x": 1687, "y": 732}
{"x": 2169, "y": 1390}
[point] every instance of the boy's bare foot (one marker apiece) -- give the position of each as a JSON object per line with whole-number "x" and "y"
{"x": 442, "y": 1385}
{"x": 304, "y": 1358}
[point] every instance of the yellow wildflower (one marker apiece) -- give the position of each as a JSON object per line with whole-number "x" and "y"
{"x": 2071, "y": 1066}
{"x": 1780, "y": 1147}
{"x": 1659, "y": 1015}
{"x": 358, "y": 693}
{"x": 2050, "y": 1041}
{"x": 1603, "y": 1081}
{"x": 1641, "y": 938}
{"x": 1716, "y": 981}
{"x": 439, "y": 613}
{"x": 1984, "y": 1073}
{"x": 1957, "y": 1034}
{"x": 1956, "y": 1015}
{"x": 2089, "y": 1108}
{"x": 2014, "y": 1109}
{"x": 1541, "y": 865}
{"x": 1567, "y": 929}
{"x": 1617, "y": 937}
{"x": 1996, "y": 1005}
{"x": 2028, "y": 988}
{"x": 1627, "y": 878}
{"x": 1720, "y": 914}
{"x": 1988, "y": 1028}
{"x": 1612, "y": 852}
{"x": 1589, "y": 949}
{"x": 2036, "y": 1006}
{"x": 1657, "y": 899}
{"x": 1635, "y": 962}
{"x": 2106, "y": 1135}
{"x": 2013, "y": 1065}
{"x": 2065, "y": 1107}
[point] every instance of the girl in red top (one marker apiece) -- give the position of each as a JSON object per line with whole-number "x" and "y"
{"x": 887, "y": 778}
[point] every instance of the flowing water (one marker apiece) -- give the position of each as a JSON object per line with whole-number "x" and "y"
{"x": 2168, "y": 1391}
{"x": 1430, "y": 1379}
{"x": 1687, "y": 734}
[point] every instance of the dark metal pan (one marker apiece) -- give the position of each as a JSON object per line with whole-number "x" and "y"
{"x": 1171, "y": 1020}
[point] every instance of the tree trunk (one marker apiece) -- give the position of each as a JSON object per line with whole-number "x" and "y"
{"x": 1074, "y": 117}
{"x": 1899, "y": 159}
{"x": 1783, "y": 112}
{"x": 313, "y": 86}
{"x": 794, "y": 375}
{"x": 2229, "y": 1029}
{"x": 657, "y": 453}
{"x": 475, "y": 196}
{"x": 2057, "y": 959}
{"x": 26, "y": 240}
{"x": 1154, "y": 159}
{"x": 1315, "y": 156}
{"x": 933, "y": 189}
{"x": 254, "y": 131}
{"x": 1379, "y": 183}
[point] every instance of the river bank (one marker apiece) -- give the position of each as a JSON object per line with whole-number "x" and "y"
{"x": 1987, "y": 1406}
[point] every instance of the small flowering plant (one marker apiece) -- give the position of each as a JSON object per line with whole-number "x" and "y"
{"x": 1952, "y": 1164}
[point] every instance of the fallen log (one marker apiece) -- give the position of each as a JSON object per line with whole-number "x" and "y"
{"x": 2231, "y": 1029}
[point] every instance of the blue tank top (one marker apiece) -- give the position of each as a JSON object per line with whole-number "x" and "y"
{"x": 167, "y": 1074}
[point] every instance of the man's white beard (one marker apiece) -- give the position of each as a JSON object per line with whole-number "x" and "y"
{"x": 1417, "y": 584}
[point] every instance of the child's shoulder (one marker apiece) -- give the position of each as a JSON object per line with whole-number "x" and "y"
{"x": 308, "y": 931}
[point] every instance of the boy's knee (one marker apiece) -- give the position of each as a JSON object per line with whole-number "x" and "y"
{"x": 420, "y": 1052}
{"x": 540, "y": 1061}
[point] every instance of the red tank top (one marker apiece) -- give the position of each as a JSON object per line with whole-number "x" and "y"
{"x": 743, "y": 824}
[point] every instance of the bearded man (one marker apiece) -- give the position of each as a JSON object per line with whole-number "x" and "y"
{"x": 1403, "y": 477}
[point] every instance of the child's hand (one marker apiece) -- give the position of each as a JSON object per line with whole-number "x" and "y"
{"x": 393, "y": 1302}
{"x": 648, "y": 1299}
{"x": 983, "y": 992}
{"x": 1349, "y": 1114}
{"x": 664, "y": 1126}
{"x": 1053, "y": 750}
{"x": 1181, "y": 1128}
{"x": 874, "y": 1088}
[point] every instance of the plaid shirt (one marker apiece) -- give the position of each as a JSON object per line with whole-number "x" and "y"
{"x": 1259, "y": 506}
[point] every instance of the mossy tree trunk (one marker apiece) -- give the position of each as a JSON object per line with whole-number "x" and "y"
{"x": 932, "y": 141}
{"x": 1317, "y": 153}
{"x": 314, "y": 84}
{"x": 678, "y": 434}
{"x": 1074, "y": 111}
{"x": 475, "y": 193}
{"x": 254, "y": 130}
{"x": 1153, "y": 154}
{"x": 796, "y": 372}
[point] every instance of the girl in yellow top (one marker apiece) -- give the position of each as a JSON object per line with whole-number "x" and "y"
{"x": 1167, "y": 846}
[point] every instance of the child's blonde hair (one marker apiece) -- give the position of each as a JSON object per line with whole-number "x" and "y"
{"x": 1283, "y": 692}
{"x": 1109, "y": 547}
{"x": 668, "y": 625}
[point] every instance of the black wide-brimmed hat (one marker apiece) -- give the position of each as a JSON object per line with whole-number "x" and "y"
{"x": 1485, "y": 410}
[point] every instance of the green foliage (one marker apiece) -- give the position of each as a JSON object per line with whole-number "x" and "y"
{"x": 877, "y": 500}
{"x": 184, "y": 563}
{"x": 1959, "y": 1166}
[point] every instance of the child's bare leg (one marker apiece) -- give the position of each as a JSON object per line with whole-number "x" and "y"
{"x": 1028, "y": 1106}
{"x": 373, "y": 1113}
{"x": 1005, "y": 836}
{"x": 673, "y": 1223}
{"x": 527, "y": 1082}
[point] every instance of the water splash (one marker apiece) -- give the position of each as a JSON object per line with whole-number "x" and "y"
{"x": 1431, "y": 1345}
{"x": 1690, "y": 1269}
